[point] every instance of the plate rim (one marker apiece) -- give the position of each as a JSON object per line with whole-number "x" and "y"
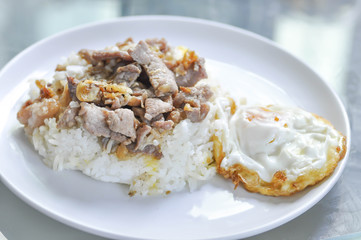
{"x": 290, "y": 216}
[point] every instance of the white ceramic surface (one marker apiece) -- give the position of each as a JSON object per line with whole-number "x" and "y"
{"x": 215, "y": 211}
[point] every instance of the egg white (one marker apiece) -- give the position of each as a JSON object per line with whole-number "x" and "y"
{"x": 267, "y": 139}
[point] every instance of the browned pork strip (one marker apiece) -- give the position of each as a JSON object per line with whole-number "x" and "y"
{"x": 122, "y": 121}
{"x": 149, "y": 149}
{"x": 179, "y": 99}
{"x": 95, "y": 56}
{"x": 159, "y": 117}
{"x": 67, "y": 119}
{"x": 135, "y": 101}
{"x": 152, "y": 150}
{"x": 197, "y": 114}
{"x": 165, "y": 125}
{"x": 161, "y": 78}
{"x": 193, "y": 101}
{"x": 116, "y": 102}
{"x": 139, "y": 112}
{"x": 176, "y": 115}
{"x": 95, "y": 122}
{"x": 168, "y": 99}
{"x": 147, "y": 93}
{"x": 102, "y": 55}
{"x": 194, "y": 96}
{"x": 192, "y": 75}
{"x": 204, "y": 92}
{"x": 142, "y": 132}
{"x": 32, "y": 115}
{"x": 155, "y": 106}
{"x": 143, "y": 94}
{"x": 128, "y": 73}
{"x": 161, "y": 44}
{"x": 25, "y": 112}
{"x": 72, "y": 85}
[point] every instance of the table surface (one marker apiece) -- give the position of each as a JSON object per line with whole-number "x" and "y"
{"x": 324, "y": 34}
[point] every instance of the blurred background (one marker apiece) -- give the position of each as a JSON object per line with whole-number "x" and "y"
{"x": 325, "y": 34}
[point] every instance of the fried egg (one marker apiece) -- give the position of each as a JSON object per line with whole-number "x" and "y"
{"x": 275, "y": 150}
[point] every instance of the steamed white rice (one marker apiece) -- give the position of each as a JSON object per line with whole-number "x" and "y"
{"x": 186, "y": 157}
{"x": 187, "y": 151}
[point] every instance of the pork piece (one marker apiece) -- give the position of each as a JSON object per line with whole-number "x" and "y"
{"x": 160, "y": 44}
{"x": 142, "y": 132}
{"x": 152, "y": 150}
{"x": 67, "y": 118}
{"x": 95, "y": 122}
{"x": 102, "y": 55}
{"x": 193, "y": 96}
{"x": 159, "y": 123}
{"x": 159, "y": 117}
{"x": 143, "y": 94}
{"x": 121, "y": 121}
{"x": 179, "y": 99}
{"x": 190, "y": 70}
{"x": 168, "y": 99}
{"x": 139, "y": 112}
{"x": 128, "y": 74}
{"x": 101, "y": 71}
{"x": 33, "y": 114}
{"x": 193, "y": 100}
{"x": 163, "y": 125}
{"x": 96, "y": 56}
{"x": 116, "y": 102}
{"x": 176, "y": 115}
{"x": 149, "y": 149}
{"x": 155, "y": 106}
{"x": 161, "y": 78}
{"x": 138, "y": 101}
{"x": 135, "y": 101}
{"x": 195, "y": 73}
{"x": 196, "y": 114}
{"x": 120, "y": 138}
{"x": 204, "y": 92}
{"x": 72, "y": 85}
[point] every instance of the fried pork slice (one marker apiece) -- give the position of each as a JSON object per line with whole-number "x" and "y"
{"x": 193, "y": 101}
{"x": 160, "y": 44}
{"x": 161, "y": 78}
{"x": 121, "y": 121}
{"x": 142, "y": 132}
{"x": 163, "y": 125}
{"x": 33, "y": 114}
{"x": 155, "y": 106}
{"x": 128, "y": 74}
{"x": 196, "y": 114}
{"x": 67, "y": 118}
{"x": 96, "y": 56}
{"x": 191, "y": 70}
{"x": 119, "y": 125}
{"x": 72, "y": 86}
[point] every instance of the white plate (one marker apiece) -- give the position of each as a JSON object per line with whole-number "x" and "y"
{"x": 213, "y": 212}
